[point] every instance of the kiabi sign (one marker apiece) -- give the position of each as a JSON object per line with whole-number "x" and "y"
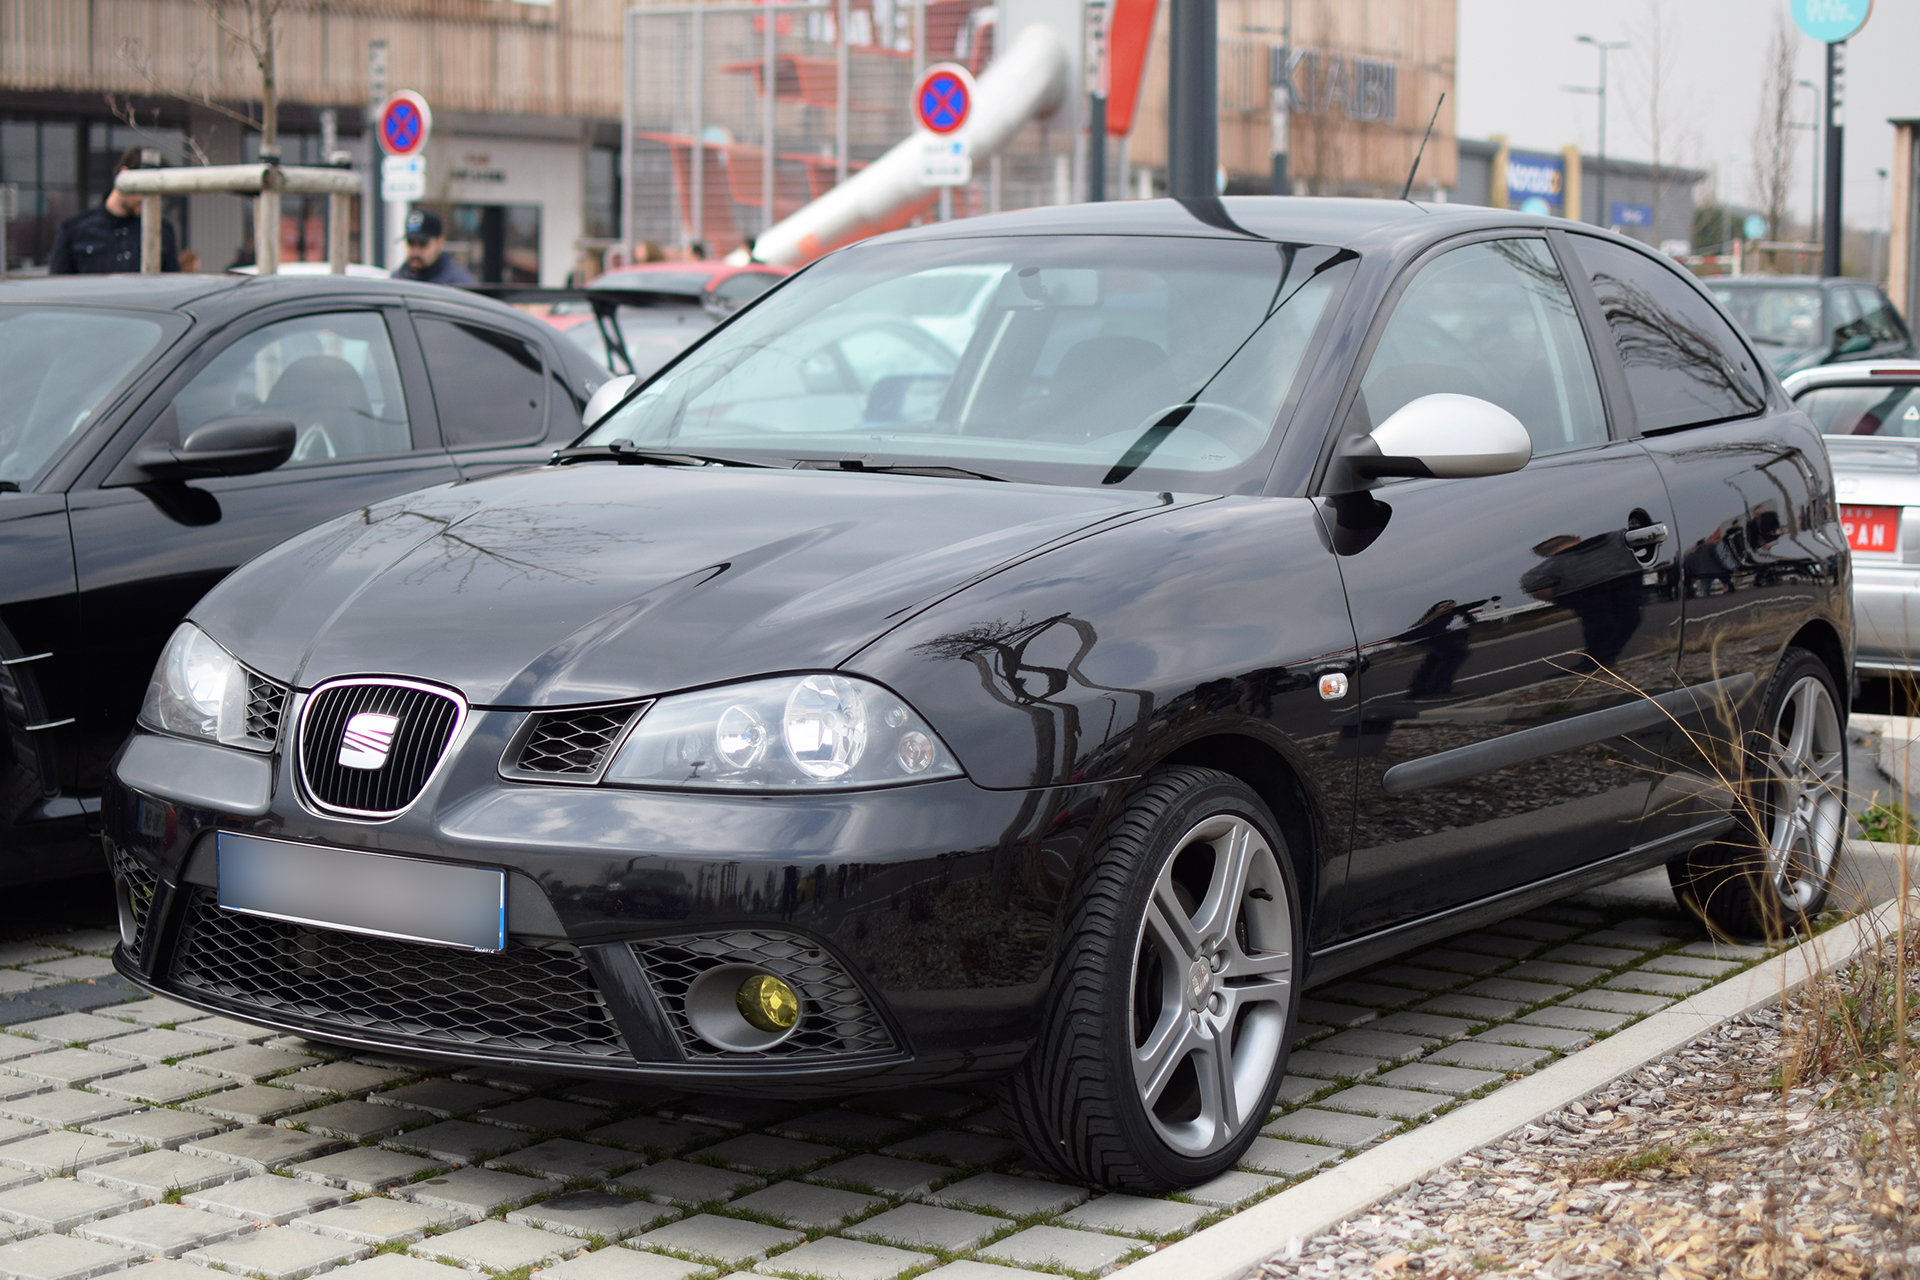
{"x": 1363, "y": 89}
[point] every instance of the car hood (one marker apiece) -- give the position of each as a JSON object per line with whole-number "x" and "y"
{"x": 563, "y": 586}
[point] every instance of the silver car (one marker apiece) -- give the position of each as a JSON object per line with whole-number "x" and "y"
{"x": 1870, "y": 414}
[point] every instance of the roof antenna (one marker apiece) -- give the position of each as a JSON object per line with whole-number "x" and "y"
{"x": 1423, "y": 148}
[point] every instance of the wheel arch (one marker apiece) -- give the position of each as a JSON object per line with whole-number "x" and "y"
{"x": 1265, "y": 769}
{"x": 1820, "y": 638}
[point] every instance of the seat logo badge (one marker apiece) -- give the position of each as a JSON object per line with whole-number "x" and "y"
{"x": 368, "y": 739}
{"x": 1332, "y": 685}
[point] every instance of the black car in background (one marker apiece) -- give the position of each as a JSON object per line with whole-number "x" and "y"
{"x": 1802, "y": 321}
{"x": 157, "y": 431}
{"x": 1208, "y": 598}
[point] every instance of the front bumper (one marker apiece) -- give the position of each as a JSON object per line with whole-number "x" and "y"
{"x": 918, "y": 923}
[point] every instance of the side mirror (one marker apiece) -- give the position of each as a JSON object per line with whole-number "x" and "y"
{"x": 226, "y": 447}
{"x": 1443, "y": 436}
{"x": 1854, "y": 346}
{"x": 609, "y": 394}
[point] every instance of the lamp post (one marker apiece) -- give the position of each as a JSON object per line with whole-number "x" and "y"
{"x": 1601, "y": 91}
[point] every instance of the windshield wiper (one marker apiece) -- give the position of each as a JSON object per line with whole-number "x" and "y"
{"x": 624, "y": 452}
{"x": 935, "y": 469}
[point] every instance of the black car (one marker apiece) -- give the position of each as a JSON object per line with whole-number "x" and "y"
{"x": 1802, "y": 321}
{"x": 1253, "y": 589}
{"x": 156, "y": 432}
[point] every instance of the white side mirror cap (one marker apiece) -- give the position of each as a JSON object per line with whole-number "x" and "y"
{"x": 1447, "y": 436}
{"x": 609, "y": 394}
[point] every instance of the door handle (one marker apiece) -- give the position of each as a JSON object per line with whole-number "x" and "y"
{"x": 1647, "y": 535}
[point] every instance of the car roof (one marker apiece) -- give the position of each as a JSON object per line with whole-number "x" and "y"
{"x": 1826, "y": 375}
{"x": 210, "y": 295}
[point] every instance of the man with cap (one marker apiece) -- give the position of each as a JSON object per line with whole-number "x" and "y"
{"x": 106, "y": 238}
{"x": 426, "y": 252}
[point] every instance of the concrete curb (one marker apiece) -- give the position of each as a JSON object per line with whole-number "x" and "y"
{"x": 1231, "y": 1248}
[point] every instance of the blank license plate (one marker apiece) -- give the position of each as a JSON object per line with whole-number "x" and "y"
{"x": 1871, "y": 528}
{"x": 373, "y": 893}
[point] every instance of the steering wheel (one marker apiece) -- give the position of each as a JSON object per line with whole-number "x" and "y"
{"x": 314, "y": 443}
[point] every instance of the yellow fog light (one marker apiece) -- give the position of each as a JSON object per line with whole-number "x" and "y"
{"x": 768, "y": 1003}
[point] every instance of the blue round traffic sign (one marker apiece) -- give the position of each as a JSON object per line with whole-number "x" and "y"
{"x": 405, "y": 122}
{"x": 943, "y": 98}
{"x": 1831, "y": 21}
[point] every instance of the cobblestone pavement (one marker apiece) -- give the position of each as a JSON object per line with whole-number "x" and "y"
{"x": 139, "y": 1133}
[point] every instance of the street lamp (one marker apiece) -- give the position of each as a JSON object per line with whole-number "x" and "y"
{"x": 1813, "y": 127}
{"x": 1601, "y": 91}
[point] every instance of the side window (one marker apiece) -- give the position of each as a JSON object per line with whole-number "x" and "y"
{"x": 332, "y": 374}
{"x": 490, "y": 387}
{"x": 1685, "y": 365}
{"x": 1493, "y": 320}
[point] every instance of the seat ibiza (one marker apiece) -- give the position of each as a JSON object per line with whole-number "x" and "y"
{"x": 1029, "y": 648}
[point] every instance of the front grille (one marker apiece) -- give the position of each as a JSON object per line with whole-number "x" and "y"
{"x": 141, "y": 882}
{"x": 526, "y": 999}
{"x": 266, "y": 702}
{"x": 836, "y": 1020}
{"x": 428, "y": 719}
{"x": 568, "y": 746}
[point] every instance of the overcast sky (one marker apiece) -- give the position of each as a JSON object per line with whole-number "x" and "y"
{"x": 1516, "y": 54}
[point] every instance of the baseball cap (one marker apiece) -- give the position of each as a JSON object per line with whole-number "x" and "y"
{"x": 424, "y": 224}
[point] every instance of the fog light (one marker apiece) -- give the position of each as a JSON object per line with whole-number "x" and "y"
{"x": 767, "y": 1003}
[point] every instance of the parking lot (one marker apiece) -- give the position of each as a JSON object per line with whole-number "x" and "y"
{"x": 138, "y": 1133}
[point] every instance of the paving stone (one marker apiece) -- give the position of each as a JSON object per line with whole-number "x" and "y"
{"x": 278, "y": 1254}
{"x": 847, "y": 1127}
{"x": 1554, "y": 971}
{"x": 1406, "y": 975}
{"x": 18, "y": 981}
{"x": 1573, "y": 1019}
{"x": 61, "y": 1204}
{"x": 83, "y": 996}
{"x": 837, "y": 1259}
{"x": 1372, "y": 1100}
{"x": 1367, "y": 1043}
{"x": 164, "y": 1269}
{"x": 1534, "y": 1037}
{"x": 364, "y": 1170}
{"x": 1691, "y": 966}
{"x": 478, "y": 1192}
{"x": 1588, "y": 954}
{"x": 1433, "y": 1078}
{"x": 1373, "y": 995}
{"x": 227, "y": 1029}
{"x": 1135, "y": 1216}
{"x": 968, "y": 1270}
{"x": 1061, "y": 1247}
{"x": 917, "y": 1104}
{"x": 252, "y": 1103}
{"x": 1636, "y": 939}
{"x": 161, "y": 1085}
{"x": 1658, "y": 984}
{"x": 61, "y": 1258}
{"x": 71, "y": 967}
{"x": 811, "y": 1208}
{"x": 544, "y": 1113}
{"x": 1494, "y": 944}
{"x": 688, "y": 1185}
{"x": 926, "y": 1226}
{"x": 887, "y": 1175}
{"x": 393, "y": 1266}
{"x": 266, "y": 1198}
{"x": 955, "y": 1147}
{"x": 512, "y": 1079}
{"x": 27, "y": 952}
{"x": 156, "y": 1011}
{"x": 568, "y": 1160}
{"x": 164, "y": 1230}
{"x": 355, "y": 1121}
{"x": 1607, "y": 1001}
{"x": 14, "y": 1011}
{"x": 1332, "y": 1066}
{"x": 59, "y": 1108}
{"x": 651, "y": 1133}
{"x": 248, "y": 1062}
{"x": 102, "y": 941}
{"x": 732, "y": 1111}
{"x": 726, "y": 1242}
{"x": 1712, "y": 950}
{"x": 341, "y": 1077}
{"x": 154, "y": 1173}
{"x": 443, "y": 1098}
{"x": 312, "y": 1048}
{"x": 13, "y": 1046}
{"x": 992, "y": 1120}
{"x": 158, "y": 1128}
{"x": 621, "y": 1264}
{"x": 1305, "y": 1033}
{"x": 153, "y": 1047}
{"x": 1538, "y": 930}
{"x": 458, "y": 1141}
{"x": 594, "y": 1213}
{"x": 69, "y": 1066}
{"x": 14, "y": 1130}
{"x": 1516, "y": 991}
{"x": 765, "y": 1154}
{"x": 1295, "y": 1090}
{"x": 1328, "y": 1013}
{"x": 73, "y": 1028}
{"x": 617, "y": 1093}
{"x": 1231, "y": 1190}
{"x": 1479, "y": 1054}
{"x": 55, "y": 1154}
{"x": 497, "y": 1246}
{"x": 1015, "y": 1197}
{"x": 262, "y": 1147}
{"x": 1427, "y": 1026}
{"x": 1458, "y": 961}
{"x": 1479, "y": 1008}
{"x": 379, "y": 1220}
{"x": 1329, "y": 1128}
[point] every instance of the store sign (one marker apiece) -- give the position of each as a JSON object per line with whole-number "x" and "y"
{"x": 1361, "y": 89}
{"x": 945, "y": 162}
{"x": 1621, "y": 214}
{"x": 1536, "y": 183}
{"x": 1831, "y": 21}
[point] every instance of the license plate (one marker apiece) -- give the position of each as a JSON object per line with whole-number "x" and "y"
{"x": 371, "y": 893}
{"x": 1871, "y": 528}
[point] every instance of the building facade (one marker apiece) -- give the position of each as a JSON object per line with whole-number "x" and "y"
{"x": 1652, "y": 204}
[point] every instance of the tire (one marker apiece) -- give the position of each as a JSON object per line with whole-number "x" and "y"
{"x": 1774, "y": 876}
{"x": 1186, "y": 926}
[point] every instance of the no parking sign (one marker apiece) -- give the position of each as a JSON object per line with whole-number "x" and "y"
{"x": 943, "y": 98}
{"x": 404, "y": 123}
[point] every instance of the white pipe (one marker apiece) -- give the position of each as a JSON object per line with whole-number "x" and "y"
{"x": 1028, "y": 80}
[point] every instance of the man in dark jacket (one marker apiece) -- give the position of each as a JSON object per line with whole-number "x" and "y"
{"x": 426, "y": 252}
{"x": 106, "y": 238}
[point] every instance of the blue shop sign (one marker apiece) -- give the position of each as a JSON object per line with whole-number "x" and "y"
{"x": 1622, "y": 214}
{"x": 1536, "y": 183}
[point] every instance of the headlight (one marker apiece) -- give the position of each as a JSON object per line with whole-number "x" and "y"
{"x": 795, "y": 733}
{"x": 199, "y": 690}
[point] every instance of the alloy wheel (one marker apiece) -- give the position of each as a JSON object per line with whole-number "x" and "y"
{"x": 1806, "y": 792}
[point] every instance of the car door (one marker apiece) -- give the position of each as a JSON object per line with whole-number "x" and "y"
{"x": 1505, "y": 622}
{"x": 495, "y": 392}
{"x": 1756, "y": 528}
{"x": 145, "y": 553}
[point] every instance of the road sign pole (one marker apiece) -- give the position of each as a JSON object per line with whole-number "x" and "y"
{"x": 1836, "y": 135}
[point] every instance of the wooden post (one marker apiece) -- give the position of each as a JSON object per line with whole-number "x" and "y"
{"x": 266, "y": 223}
{"x": 339, "y": 210}
{"x": 150, "y": 235}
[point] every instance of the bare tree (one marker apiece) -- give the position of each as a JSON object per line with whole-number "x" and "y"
{"x": 1774, "y": 137}
{"x": 1663, "y": 111}
{"x": 245, "y": 27}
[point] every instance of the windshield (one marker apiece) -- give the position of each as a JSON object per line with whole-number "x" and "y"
{"x": 1154, "y": 362}
{"x": 1777, "y": 316}
{"x": 1864, "y": 411}
{"x": 58, "y": 365}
